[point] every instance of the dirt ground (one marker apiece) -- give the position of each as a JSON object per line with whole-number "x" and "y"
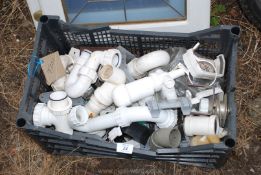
{"x": 21, "y": 155}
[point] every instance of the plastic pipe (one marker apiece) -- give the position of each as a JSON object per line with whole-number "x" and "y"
{"x": 85, "y": 71}
{"x": 67, "y": 61}
{"x": 168, "y": 93}
{"x": 125, "y": 95}
{"x": 102, "y": 97}
{"x": 124, "y": 117}
{"x": 201, "y": 125}
{"x": 139, "y": 66}
{"x": 54, "y": 113}
{"x": 165, "y": 138}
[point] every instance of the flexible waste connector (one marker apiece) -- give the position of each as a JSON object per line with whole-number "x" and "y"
{"x": 201, "y": 125}
{"x": 84, "y": 72}
{"x": 139, "y": 66}
{"x": 165, "y": 138}
{"x": 126, "y": 94}
{"x": 102, "y": 97}
{"x": 67, "y": 62}
{"x": 55, "y": 112}
{"x": 124, "y": 117}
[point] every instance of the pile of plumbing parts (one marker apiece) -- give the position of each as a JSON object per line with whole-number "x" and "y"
{"x": 164, "y": 99}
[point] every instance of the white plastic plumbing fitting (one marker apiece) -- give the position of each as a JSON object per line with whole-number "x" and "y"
{"x": 168, "y": 93}
{"x": 67, "y": 62}
{"x": 102, "y": 97}
{"x": 201, "y": 125}
{"x": 206, "y": 93}
{"x": 126, "y": 94}
{"x": 139, "y": 66}
{"x": 124, "y": 117}
{"x": 54, "y": 113}
{"x": 84, "y": 72}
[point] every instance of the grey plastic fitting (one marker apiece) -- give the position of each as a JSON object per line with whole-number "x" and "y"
{"x": 165, "y": 138}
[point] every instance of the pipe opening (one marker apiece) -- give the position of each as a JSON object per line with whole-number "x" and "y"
{"x": 175, "y": 138}
{"x": 58, "y": 96}
{"x": 20, "y": 122}
{"x": 105, "y": 72}
{"x": 44, "y": 19}
{"x": 216, "y": 125}
{"x": 235, "y": 31}
{"x": 81, "y": 115}
{"x": 116, "y": 60}
{"x": 230, "y": 142}
{"x": 233, "y": 89}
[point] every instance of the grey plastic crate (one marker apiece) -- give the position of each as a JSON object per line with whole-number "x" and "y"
{"x": 53, "y": 34}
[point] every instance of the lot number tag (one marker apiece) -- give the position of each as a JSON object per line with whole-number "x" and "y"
{"x": 124, "y": 148}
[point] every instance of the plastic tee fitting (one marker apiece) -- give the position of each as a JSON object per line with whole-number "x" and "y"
{"x": 84, "y": 72}
{"x": 126, "y": 94}
{"x": 102, "y": 97}
{"x": 55, "y": 112}
{"x": 139, "y": 66}
{"x": 201, "y": 125}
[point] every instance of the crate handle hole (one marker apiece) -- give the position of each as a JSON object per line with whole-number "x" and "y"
{"x": 20, "y": 122}
{"x": 44, "y": 19}
{"x": 235, "y": 31}
{"x": 230, "y": 142}
{"x": 233, "y": 89}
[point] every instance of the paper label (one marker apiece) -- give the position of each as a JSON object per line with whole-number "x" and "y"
{"x": 124, "y": 148}
{"x": 52, "y": 67}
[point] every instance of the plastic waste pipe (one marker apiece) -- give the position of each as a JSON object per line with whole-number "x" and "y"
{"x": 84, "y": 72}
{"x": 139, "y": 66}
{"x": 124, "y": 117}
{"x": 102, "y": 97}
{"x": 126, "y": 94}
